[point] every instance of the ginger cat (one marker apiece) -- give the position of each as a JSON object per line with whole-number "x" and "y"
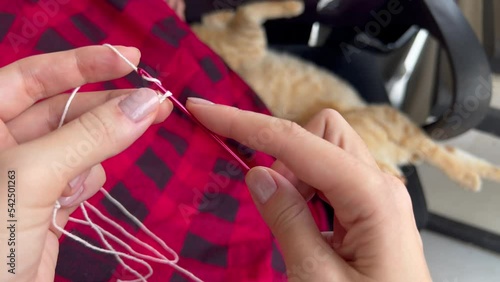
{"x": 296, "y": 90}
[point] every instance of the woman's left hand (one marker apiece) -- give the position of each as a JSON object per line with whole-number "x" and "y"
{"x": 40, "y": 164}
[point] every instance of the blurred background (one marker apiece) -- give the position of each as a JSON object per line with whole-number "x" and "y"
{"x": 439, "y": 62}
{"x": 451, "y": 259}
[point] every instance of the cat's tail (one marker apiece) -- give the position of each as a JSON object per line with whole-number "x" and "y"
{"x": 465, "y": 169}
{"x": 258, "y": 13}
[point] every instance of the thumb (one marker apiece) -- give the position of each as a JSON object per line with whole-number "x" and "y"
{"x": 95, "y": 136}
{"x": 286, "y": 213}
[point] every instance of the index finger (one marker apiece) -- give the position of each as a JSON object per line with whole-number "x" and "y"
{"x": 29, "y": 80}
{"x": 347, "y": 182}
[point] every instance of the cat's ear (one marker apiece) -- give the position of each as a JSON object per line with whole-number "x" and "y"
{"x": 218, "y": 19}
{"x": 260, "y": 12}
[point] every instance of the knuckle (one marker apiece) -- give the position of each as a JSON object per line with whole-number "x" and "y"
{"x": 393, "y": 180}
{"x": 284, "y": 219}
{"x": 403, "y": 201}
{"x": 378, "y": 182}
{"x": 401, "y": 197}
{"x": 32, "y": 82}
{"x": 54, "y": 115}
{"x": 94, "y": 125}
{"x": 292, "y": 128}
{"x": 330, "y": 114}
{"x": 85, "y": 66}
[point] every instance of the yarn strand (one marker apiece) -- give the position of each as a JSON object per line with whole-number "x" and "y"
{"x": 104, "y": 234}
{"x": 167, "y": 94}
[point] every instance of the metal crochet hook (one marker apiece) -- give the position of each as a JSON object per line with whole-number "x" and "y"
{"x": 181, "y": 107}
{"x": 167, "y": 94}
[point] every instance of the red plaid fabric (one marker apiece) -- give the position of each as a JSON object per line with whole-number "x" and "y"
{"x": 174, "y": 178}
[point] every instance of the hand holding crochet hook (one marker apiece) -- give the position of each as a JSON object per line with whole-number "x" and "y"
{"x": 375, "y": 235}
{"x": 375, "y": 238}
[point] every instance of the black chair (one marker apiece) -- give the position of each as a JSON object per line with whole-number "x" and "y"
{"x": 363, "y": 33}
{"x": 362, "y": 30}
{"x": 458, "y": 105}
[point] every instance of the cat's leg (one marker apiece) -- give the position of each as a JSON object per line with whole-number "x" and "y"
{"x": 488, "y": 171}
{"x": 415, "y": 141}
{"x": 390, "y": 156}
{"x": 410, "y": 138}
{"x": 218, "y": 18}
{"x": 379, "y": 140}
{"x": 457, "y": 168}
{"x": 482, "y": 167}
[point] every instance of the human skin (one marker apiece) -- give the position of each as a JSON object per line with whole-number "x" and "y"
{"x": 375, "y": 238}
{"x": 375, "y": 235}
{"x": 31, "y": 145}
{"x": 179, "y": 7}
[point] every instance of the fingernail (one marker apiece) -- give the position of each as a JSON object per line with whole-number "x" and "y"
{"x": 68, "y": 201}
{"x": 199, "y": 101}
{"x": 139, "y": 104}
{"x": 77, "y": 182}
{"x": 261, "y": 185}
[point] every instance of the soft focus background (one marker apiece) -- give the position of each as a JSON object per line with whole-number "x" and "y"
{"x": 452, "y": 260}
{"x": 472, "y": 217}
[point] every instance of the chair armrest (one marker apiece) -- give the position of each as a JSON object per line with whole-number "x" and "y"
{"x": 469, "y": 65}
{"x": 471, "y": 92}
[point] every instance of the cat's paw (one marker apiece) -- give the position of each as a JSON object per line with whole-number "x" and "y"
{"x": 470, "y": 181}
{"x": 492, "y": 173}
{"x": 294, "y": 7}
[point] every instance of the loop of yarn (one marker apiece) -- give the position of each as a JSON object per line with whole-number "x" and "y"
{"x": 167, "y": 94}
{"x": 163, "y": 96}
{"x": 104, "y": 235}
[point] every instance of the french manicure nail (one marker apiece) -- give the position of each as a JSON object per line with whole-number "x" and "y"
{"x": 139, "y": 104}
{"x": 261, "y": 185}
{"x": 199, "y": 101}
{"x": 76, "y": 182}
{"x": 68, "y": 201}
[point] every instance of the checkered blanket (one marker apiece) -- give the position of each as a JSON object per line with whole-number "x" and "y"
{"x": 175, "y": 179}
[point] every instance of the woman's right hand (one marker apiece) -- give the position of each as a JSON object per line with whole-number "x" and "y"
{"x": 375, "y": 238}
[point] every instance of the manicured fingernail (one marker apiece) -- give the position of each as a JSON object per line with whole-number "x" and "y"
{"x": 76, "y": 186}
{"x": 76, "y": 182}
{"x": 68, "y": 201}
{"x": 139, "y": 104}
{"x": 199, "y": 101}
{"x": 73, "y": 183}
{"x": 261, "y": 185}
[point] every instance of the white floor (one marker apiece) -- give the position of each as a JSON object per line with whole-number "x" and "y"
{"x": 444, "y": 197}
{"x": 453, "y": 261}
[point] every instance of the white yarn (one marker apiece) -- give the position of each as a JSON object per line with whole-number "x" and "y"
{"x": 92, "y": 247}
{"x": 163, "y": 96}
{"x": 66, "y": 108}
{"x": 103, "y": 234}
{"x": 121, "y": 56}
